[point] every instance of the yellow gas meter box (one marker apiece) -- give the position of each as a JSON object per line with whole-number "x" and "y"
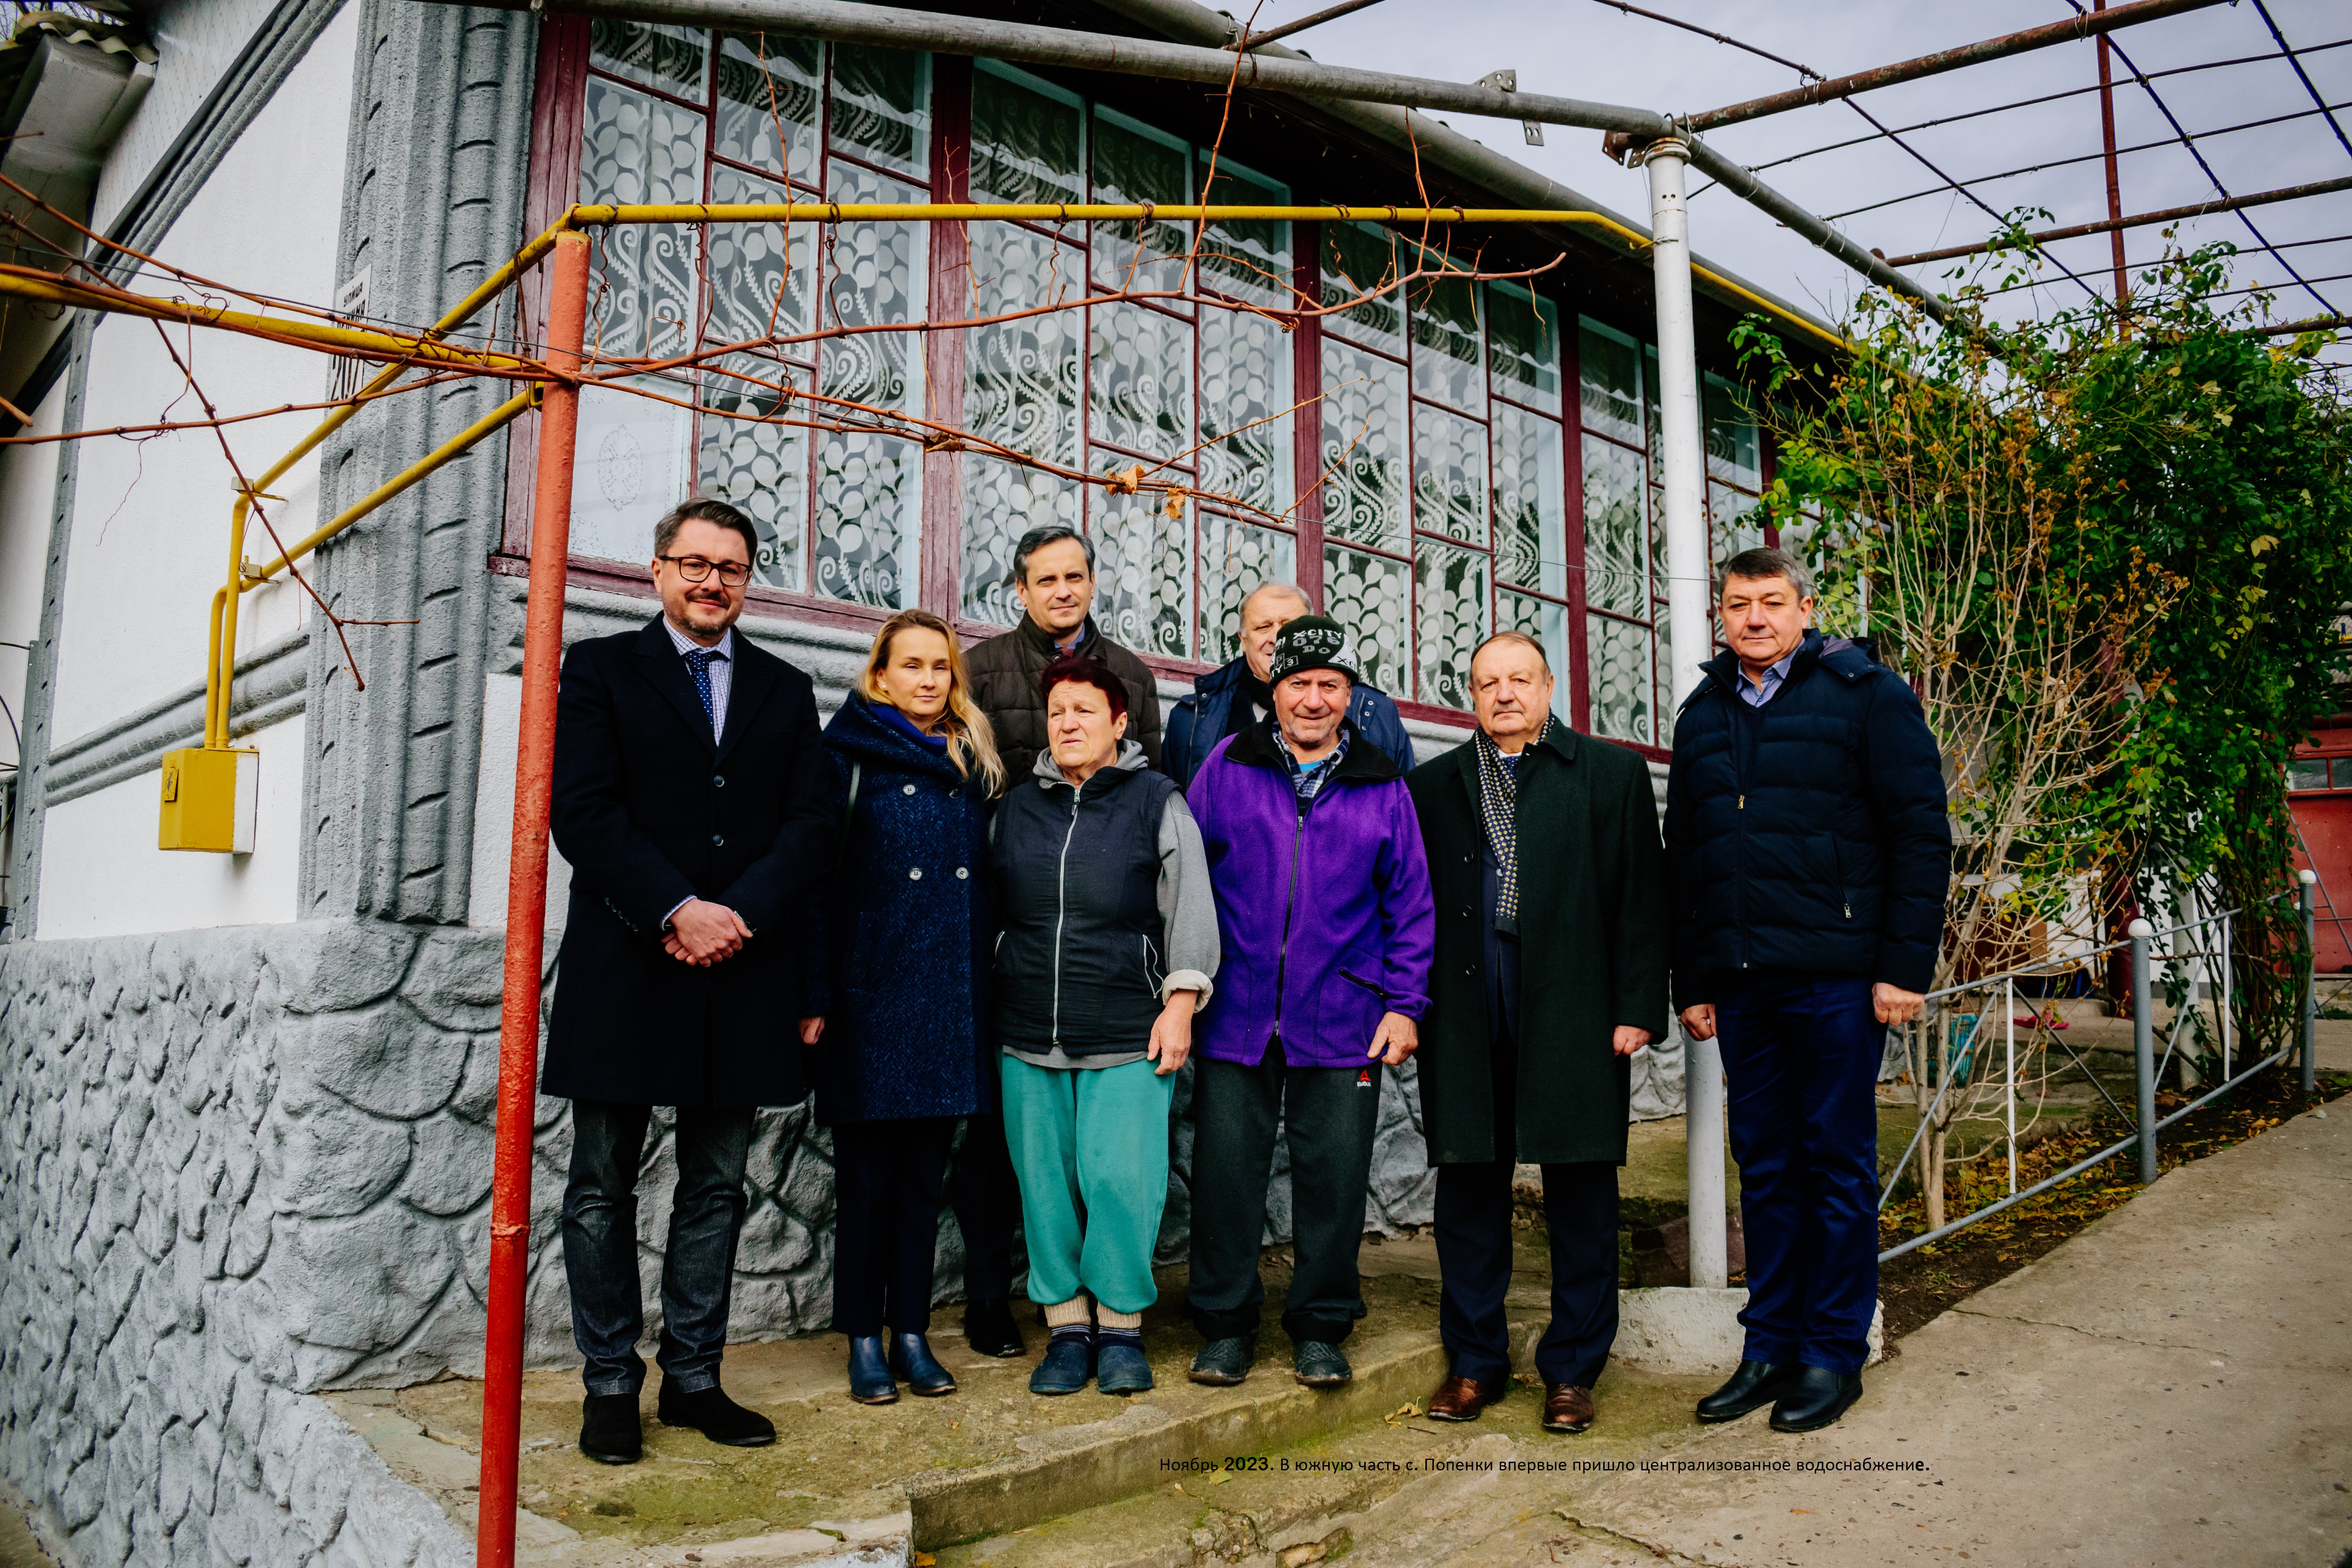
{"x": 210, "y": 799}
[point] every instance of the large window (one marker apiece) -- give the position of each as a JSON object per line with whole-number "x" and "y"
{"x": 1631, "y": 661}
{"x": 1187, "y": 385}
{"x": 1408, "y": 450}
{"x": 675, "y": 114}
{"x": 1442, "y": 493}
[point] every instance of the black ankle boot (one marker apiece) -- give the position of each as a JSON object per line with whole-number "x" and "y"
{"x": 1816, "y": 1399}
{"x": 989, "y": 1328}
{"x": 1756, "y": 1385}
{"x": 709, "y": 1412}
{"x": 610, "y": 1433}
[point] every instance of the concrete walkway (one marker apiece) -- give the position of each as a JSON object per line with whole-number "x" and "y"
{"x": 2174, "y": 1386}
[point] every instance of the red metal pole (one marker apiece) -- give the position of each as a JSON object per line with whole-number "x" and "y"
{"x": 542, "y": 657}
{"x": 2114, "y": 189}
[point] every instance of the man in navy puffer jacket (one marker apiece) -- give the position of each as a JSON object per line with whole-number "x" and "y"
{"x": 1809, "y": 848}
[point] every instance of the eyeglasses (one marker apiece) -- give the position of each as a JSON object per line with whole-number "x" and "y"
{"x": 695, "y": 569}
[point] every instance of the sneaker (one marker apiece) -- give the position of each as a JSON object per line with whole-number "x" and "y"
{"x": 1222, "y": 1363}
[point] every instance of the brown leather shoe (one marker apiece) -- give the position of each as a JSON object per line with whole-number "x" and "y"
{"x": 1566, "y": 1408}
{"x": 1462, "y": 1398}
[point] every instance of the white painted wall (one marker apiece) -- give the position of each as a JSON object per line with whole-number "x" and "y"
{"x": 28, "y": 476}
{"x": 197, "y": 40}
{"x": 494, "y": 793}
{"x": 150, "y": 537}
{"x": 101, "y": 874}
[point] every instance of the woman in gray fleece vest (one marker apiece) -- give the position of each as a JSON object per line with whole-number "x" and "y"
{"x": 1110, "y": 942}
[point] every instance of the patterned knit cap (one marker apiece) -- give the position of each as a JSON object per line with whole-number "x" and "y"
{"x": 1314, "y": 642}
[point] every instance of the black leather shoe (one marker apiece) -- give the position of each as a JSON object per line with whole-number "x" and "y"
{"x": 989, "y": 1329}
{"x": 1756, "y": 1385}
{"x": 870, "y": 1382}
{"x": 609, "y": 1430}
{"x": 709, "y": 1412}
{"x": 1816, "y": 1400}
{"x": 912, "y": 1362}
{"x": 1222, "y": 1363}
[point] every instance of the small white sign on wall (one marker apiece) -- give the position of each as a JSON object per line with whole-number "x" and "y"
{"x": 631, "y": 467}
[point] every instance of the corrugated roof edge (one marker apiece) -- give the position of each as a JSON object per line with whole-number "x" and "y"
{"x": 1183, "y": 22}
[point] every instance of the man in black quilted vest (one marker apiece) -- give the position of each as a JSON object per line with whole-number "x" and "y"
{"x": 1809, "y": 849}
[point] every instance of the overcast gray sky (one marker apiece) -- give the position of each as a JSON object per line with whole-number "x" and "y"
{"x": 1588, "y": 49}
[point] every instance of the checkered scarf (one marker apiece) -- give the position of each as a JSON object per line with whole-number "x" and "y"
{"x": 1498, "y": 803}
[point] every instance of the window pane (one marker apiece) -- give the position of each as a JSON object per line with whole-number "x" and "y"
{"x": 882, "y": 109}
{"x": 1611, "y": 371}
{"x": 1143, "y": 571}
{"x": 1363, "y": 447}
{"x": 1650, "y": 416}
{"x": 1449, "y": 474}
{"x": 1024, "y": 145}
{"x": 1249, "y": 260}
{"x": 2343, "y": 766}
{"x": 1236, "y": 558}
{"x": 1735, "y": 523}
{"x": 1548, "y": 623}
{"x": 1731, "y": 441}
{"x": 1372, "y": 598}
{"x": 1131, "y": 167}
{"x": 631, "y": 466}
{"x": 1359, "y": 262}
{"x": 1245, "y": 382}
{"x": 762, "y": 275}
{"x": 1448, "y": 352}
{"x": 1524, "y": 334}
{"x": 1616, "y": 540}
{"x": 869, "y": 497}
{"x": 1452, "y": 587}
{"x": 2307, "y": 773}
{"x": 1001, "y": 502}
{"x": 1139, "y": 385}
{"x": 635, "y": 148}
{"x": 1021, "y": 377}
{"x": 1530, "y": 504}
{"x": 769, "y": 87}
{"x": 654, "y": 53}
{"x": 1620, "y": 679}
{"x": 762, "y": 469}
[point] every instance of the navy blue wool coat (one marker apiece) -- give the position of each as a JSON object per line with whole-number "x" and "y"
{"x": 1809, "y": 835}
{"x": 907, "y": 932}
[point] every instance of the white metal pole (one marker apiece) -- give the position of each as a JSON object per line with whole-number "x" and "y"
{"x": 2009, "y": 1023}
{"x": 1689, "y": 636}
{"x": 2228, "y": 1002}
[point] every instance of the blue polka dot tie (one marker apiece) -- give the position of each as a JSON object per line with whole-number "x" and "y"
{"x": 699, "y": 659}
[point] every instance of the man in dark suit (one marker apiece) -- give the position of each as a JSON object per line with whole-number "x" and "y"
{"x": 691, "y": 800}
{"x": 1809, "y": 852}
{"x": 1550, "y": 974}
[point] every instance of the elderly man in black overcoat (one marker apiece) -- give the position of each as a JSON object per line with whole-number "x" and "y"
{"x": 692, "y": 800}
{"x": 1552, "y": 935}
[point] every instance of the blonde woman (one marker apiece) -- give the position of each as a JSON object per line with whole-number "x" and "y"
{"x": 897, "y": 1035}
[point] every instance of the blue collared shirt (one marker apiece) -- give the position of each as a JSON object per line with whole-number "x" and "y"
{"x": 1756, "y": 693}
{"x": 1308, "y": 779}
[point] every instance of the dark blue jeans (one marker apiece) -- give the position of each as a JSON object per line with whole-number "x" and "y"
{"x": 600, "y": 1243}
{"x": 1801, "y": 1053}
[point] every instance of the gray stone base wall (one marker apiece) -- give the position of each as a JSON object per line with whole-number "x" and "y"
{"x": 198, "y": 1229}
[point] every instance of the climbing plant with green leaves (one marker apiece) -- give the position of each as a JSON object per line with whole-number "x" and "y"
{"x": 2113, "y": 553}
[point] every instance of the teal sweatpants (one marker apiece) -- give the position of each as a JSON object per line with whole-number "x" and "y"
{"x": 1091, "y": 1147}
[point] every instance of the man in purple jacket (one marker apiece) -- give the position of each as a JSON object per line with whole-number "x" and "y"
{"x": 1323, "y": 906}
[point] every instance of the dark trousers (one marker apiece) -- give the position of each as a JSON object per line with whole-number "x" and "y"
{"x": 1800, "y": 1055}
{"x": 987, "y": 1200}
{"x": 1473, "y": 1261}
{"x": 1328, "y": 1116}
{"x": 600, "y": 1242}
{"x": 886, "y": 1178}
